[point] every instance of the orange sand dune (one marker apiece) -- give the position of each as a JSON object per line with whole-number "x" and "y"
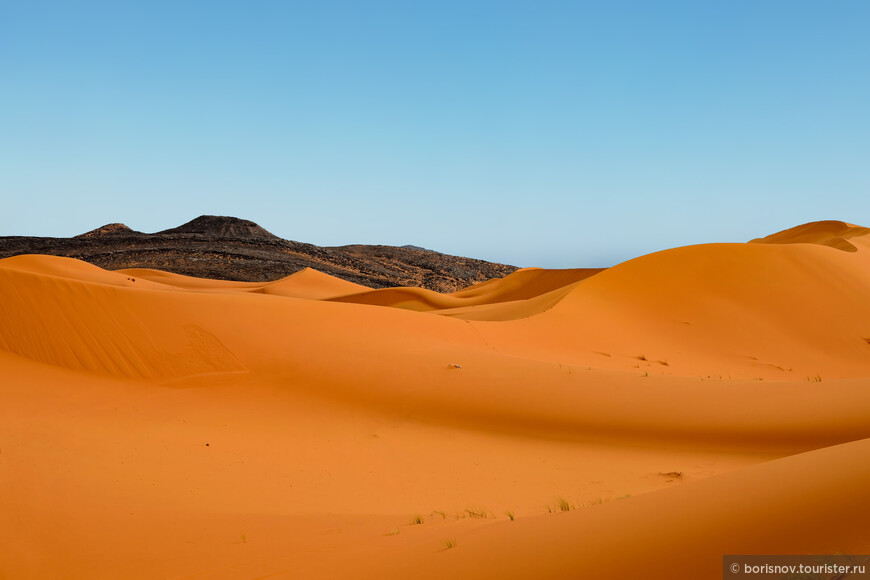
{"x": 188, "y": 282}
{"x": 306, "y": 283}
{"x": 521, "y": 285}
{"x": 681, "y": 532}
{"x": 753, "y": 311}
{"x": 313, "y": 285}
{"x": 417, "y": 299}
{"x": 160, "y": 426}
{"x": 828, "y": 233}
{"x": 55, "y": 267}
{"x": 525, "y": 283}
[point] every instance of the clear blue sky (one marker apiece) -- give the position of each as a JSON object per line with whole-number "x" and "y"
{"x": 556, "y": 134}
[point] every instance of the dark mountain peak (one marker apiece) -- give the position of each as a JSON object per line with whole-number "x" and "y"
{"x": 222, "y": 227}
{"x": 108, "y": 230}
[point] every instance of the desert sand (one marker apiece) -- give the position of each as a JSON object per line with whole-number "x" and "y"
{"x": 634, "y": 422}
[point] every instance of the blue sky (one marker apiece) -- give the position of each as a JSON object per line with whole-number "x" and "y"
{"x": 556, "y": 134}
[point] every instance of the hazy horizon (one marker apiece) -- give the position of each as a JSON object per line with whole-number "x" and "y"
{"x": 556, "y": 134}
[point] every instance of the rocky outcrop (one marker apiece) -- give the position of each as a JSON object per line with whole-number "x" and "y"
{"x": 229, "y": 248}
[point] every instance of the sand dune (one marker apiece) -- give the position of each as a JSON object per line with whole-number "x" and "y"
{"x": 182, "y": 282}
{"x": 154, "y": 425}
{"x": 827, "y": 233}
{"x": 311, "y": 284}
{"x": 521, "y": 285}
{"x": 681, "y": 532}
{"x": 306, "y": 283}
{"x": 524, "y": 284}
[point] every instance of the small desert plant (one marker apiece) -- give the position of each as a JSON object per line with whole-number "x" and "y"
{"x": 626, "y": 496}
{"x": 476, "y": 513}
{"x": 564, "y": 506}
{"x": 641, "y": 357}
{"x": 393, "y": 532}
{"x": 510, "y": 515}
{"x": 645, "y": 374}
{"x": 450, "y": 543}
{"x": 417, "y": 519}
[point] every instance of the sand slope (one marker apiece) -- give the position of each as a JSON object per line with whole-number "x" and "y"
{"x": 159, "y": 426}
{"x": 834, "y": 234}
{"x": 519, "y": 286}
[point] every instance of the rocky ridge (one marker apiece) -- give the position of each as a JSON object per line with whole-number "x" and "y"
{"x": 229, "y": 248}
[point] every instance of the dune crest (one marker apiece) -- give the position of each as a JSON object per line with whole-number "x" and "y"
{"x": 834, "y": 234}
{"x": 520, "y": 294}
{"x": 312, "y": 285}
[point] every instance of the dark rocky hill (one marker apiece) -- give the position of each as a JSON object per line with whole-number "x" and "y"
{"x": 229, "y": 248}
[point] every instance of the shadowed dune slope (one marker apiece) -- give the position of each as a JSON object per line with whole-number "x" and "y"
{"x": 522, "y": 285}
